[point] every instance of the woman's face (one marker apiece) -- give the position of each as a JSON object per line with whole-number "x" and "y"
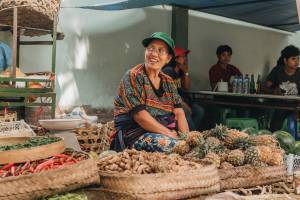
{"x": 157, "y": 55}
{"x": 292, "y": 62}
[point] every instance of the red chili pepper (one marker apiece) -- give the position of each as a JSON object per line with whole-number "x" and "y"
{"x": 43, "y": 165}
{"x": 8, "y": 166}
{"x": 13, "y": 170}
{"x": 60, "y": 156}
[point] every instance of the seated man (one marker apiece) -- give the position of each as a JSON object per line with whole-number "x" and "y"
{"x": 222, "y": 70}
{"x": 287, "y": 69}
{"x": 179, "y": 71}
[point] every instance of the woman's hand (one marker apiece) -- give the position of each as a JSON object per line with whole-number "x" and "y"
{"x": 172, "y": 134}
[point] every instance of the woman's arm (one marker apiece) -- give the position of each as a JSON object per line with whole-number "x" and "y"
{"x": 147, "y": 122}
{"x": 182, "y": 123}
{"x": 268, "y": 90}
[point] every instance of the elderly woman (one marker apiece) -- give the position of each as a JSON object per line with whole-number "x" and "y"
{"x": 148, "y": 111}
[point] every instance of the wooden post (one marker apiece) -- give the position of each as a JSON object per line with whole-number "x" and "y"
{"x": 298, "y": 9}
{"x": 15, "y": 41}
{"x": 54, "y": 35}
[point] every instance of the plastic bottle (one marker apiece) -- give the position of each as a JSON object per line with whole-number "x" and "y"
{"x": 252, "y": 85}
{"x": 246, "y": 81}
{"x": 240, "y": 84}
{"x": 235, "y": 84}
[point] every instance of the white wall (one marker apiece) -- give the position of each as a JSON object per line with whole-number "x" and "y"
{"x": 101, "y": 45}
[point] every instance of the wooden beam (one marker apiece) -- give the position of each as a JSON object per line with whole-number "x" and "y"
{"x": 36, "y": 42}
{"x": 15, "y": 41}
{"x": 298, "y": 9}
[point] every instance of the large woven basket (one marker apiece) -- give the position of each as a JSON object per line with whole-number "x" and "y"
{"x": 165, "y": 186}
{"x": 31, "y": 13}
{"x": 50, "y": 182}
{"x": 249, "y": 176}
{"x": 95, "y": 138}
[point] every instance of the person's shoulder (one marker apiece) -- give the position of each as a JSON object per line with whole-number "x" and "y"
{"x": 166, "y": 77}
{"x": 136, "y": 70}
{"x": 232, "y": 66}
{"x": 214, "y": 67}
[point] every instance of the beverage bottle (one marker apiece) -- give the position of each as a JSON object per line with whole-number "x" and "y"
{"x": 246, "y": 84}
{"x": 235, "y": 84}
{"x": 258, "y": 84}
{"x": 252, "y": 85}
{"x": 240, "y": 84}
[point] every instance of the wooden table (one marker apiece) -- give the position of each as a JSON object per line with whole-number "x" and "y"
{"x": 248, "y": 100}
{"x": 264, "y": 101}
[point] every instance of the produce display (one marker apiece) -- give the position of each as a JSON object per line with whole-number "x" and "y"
{"x": 31, "y": 142}
{"x": 140, "y": 162}
{"x": 68, "y": 196}
{"x": 228, "y": 148}
{"x": 54, "y": 162}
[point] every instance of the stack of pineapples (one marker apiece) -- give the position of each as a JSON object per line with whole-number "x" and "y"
{"x": 228, "y": 148}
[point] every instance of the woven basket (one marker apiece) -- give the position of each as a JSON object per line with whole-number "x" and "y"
{"x": 165, "y": 186}
{"x": 50, "y": 182}
{"x": 31, "y": 13}
{"x": 95, "y": 138}
{"x": 249, "y": 176}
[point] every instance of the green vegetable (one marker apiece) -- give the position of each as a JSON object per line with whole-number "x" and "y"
{"x": 264, "y": 132}
{"x": 250, "y": 131}
{"x": 297, "y": 148}
{"x": 32, "y": 142}
{"x": 286, "y": 141}
{"x": 68, "y": 196}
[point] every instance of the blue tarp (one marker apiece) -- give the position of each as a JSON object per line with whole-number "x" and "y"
{"x": 279, "y": 14}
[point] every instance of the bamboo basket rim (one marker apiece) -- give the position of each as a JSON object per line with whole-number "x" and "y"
{"x": 46, "y": 183}
{"x": 152, "y": 175}
{"x": 13, "y": 155}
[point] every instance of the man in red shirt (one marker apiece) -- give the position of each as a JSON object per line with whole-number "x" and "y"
{"x": 222, "y": 70}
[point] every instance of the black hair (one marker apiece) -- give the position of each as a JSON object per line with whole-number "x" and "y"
{"x": 287, "y": 52}
{"x": 223, "y": 48}
{"x": 172, "y": 62}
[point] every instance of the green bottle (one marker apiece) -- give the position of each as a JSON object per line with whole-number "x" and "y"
{"x": 252, "y": 85}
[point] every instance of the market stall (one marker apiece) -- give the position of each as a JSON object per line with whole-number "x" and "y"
{"x": 202, "y": 165}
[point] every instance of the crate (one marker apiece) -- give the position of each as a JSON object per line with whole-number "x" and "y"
{"x": 8, "y": 117}
{"x": 241, "y": 123}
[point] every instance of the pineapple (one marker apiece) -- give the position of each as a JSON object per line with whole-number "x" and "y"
{"x": 228, "y": 135}
{"x": 258, "y": 154}
{"x": 220, "y": 131}
{"x": 236, "y": 157}
{"x": 213, "y": 158}
{"x": 212, "y": 142}
{"x": 194, "y": 138}
{"x": 267, "y": 140}
{"x": 223, "y": 154}
{"x": 241, "y": 143}
{"x": 181, "y": 147}
{"x": 277, "y": 157}
{"x": 232, "y": 135}
{"x": 251, "y": 155}
{"x": 226, "y": 165}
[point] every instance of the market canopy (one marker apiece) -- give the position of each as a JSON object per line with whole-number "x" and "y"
{"x": 279, "y": 14}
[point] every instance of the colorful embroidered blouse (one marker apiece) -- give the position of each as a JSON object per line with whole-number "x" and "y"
{"x": 136, "y": 93}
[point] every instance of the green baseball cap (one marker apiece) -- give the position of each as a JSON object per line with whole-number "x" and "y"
{"x": 161, "y": 36}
